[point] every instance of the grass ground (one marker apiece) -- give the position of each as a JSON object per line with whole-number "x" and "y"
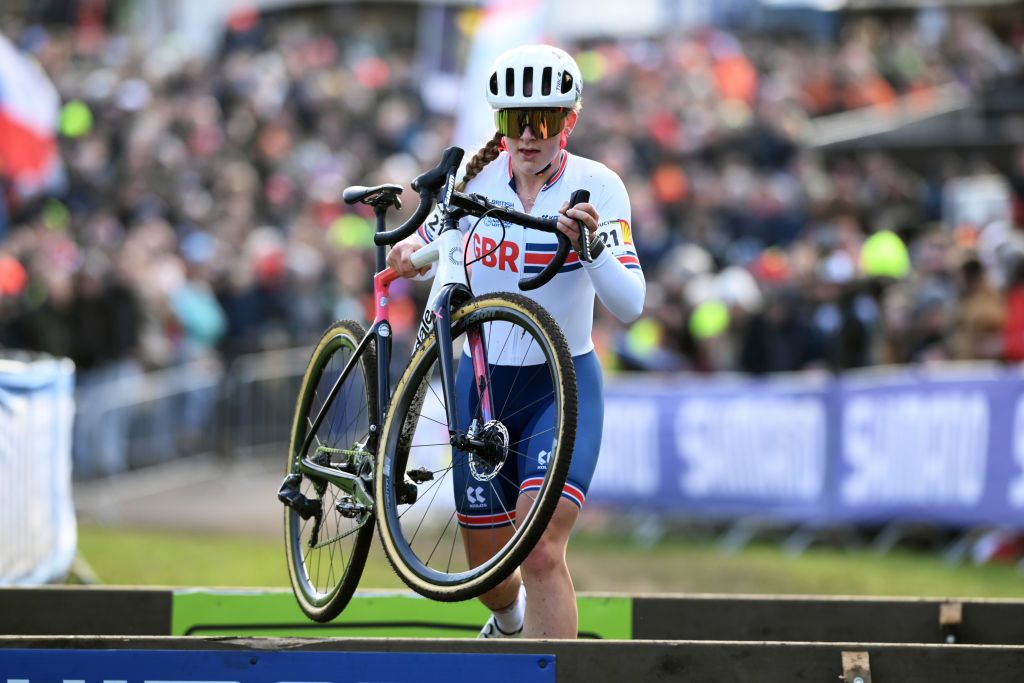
{"x": 600, "y": 563}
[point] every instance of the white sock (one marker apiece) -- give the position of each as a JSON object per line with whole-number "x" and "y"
{"x": 510, "y": 619}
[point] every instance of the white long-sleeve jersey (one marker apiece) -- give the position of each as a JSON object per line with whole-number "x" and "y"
{"x": 614, "y": 276}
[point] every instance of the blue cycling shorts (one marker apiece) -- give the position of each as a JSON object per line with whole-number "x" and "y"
{"x": 523, "y": 401}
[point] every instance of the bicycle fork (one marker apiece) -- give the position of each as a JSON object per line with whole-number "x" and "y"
{"x": 464, "y": 439}
{"x": 441, "y": 310}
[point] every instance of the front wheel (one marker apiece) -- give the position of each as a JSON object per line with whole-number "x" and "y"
{"x": 327, "y": 532}
{"x": 429, "y": 492}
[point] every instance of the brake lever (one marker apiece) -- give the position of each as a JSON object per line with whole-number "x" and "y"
{"x": 583, "y": 250}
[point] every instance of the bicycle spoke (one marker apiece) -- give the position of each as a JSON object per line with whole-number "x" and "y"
{"x": 451, "y": 552}
{"x": 530, "y": 437}
{"x": 527, "y": 407}
{"x": 515, "y": 484}
{"x": 345, "y": 428}
{"x": 430, "y": 445}
{"x": 511, "y": 517}
{"x": 427, "y": 417}
{"x": 440, "y": 400}
{"x": 330, "y": 572}
{"x": 507, "y": 337}
{"x": 338, "y": 426}
{"x": 437, "y": 489}
{"x": 433, "y": 486}
{"x": 515, "y": 379}
{"x": 319, "y": 561}
{"x": 440, "y": 538}
{"x": 315, "y": 437}
{"x": 504, "y": 345}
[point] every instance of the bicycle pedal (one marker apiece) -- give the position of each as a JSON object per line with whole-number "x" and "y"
{"x": 406, "y": 493}
{"x": 350, "y": 509}
{"x": 289, "y": 495}
{"x": 420, "y": 475}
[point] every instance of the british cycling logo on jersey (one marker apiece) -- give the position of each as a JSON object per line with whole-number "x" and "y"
{"x": 492, "y": 254}
{"x": 475, "y": 495}
{"x": 542, "y": 459}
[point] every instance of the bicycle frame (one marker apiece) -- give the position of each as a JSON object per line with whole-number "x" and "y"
{"x": 449, "y": 289}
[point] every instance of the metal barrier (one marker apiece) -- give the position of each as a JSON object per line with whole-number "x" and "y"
{"x": 128, "y": 419}
{"x": 258, "y": 400}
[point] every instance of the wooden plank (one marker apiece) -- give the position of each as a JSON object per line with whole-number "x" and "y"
{"x": 84, "y": 610}
{"x": 103, "y": 611}
{"x": 827, "y": 619}
{"x": 649, "y": 661}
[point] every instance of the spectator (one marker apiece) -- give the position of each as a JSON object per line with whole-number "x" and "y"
{"x": 185, "y": 159}
{"x": 978, "y": 331}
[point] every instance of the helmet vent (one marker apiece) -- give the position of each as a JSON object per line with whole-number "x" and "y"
{"x": 545, "y": 81}
{"x": 494, "y": 83}
{"x": 510, "y": 82}
{"x": 566, "y": 84}
{"x": 528, "y": 81}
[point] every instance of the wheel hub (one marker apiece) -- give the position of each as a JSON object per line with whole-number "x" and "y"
{"x": 486, "y": 461}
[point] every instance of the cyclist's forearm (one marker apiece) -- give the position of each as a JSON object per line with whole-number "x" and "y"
{"x": 620, "y": 289}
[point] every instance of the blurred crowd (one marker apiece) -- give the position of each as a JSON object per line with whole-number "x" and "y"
{"x": 202, "y": 217}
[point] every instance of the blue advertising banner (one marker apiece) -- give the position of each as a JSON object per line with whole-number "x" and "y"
{"x": 939, "y": 447}
{"x": 722, "y": 449}
{"x": 195, "y": 666}
{"x": 934, "y": 449}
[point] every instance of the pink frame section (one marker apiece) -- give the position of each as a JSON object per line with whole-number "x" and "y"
{"x": 381, "y": 291}
{"x": 476, "y": 349}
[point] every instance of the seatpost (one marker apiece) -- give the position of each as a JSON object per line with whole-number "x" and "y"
{"x": 379, "y": 211}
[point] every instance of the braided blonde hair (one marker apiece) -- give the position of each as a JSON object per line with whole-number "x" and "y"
{"x": 485, "y": 155}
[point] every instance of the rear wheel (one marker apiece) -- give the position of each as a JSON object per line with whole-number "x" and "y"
{"x": 327, "y": 531}
{"x": 413, "y": 483}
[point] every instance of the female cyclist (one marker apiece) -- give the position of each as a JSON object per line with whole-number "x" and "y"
{"x": 535, "y": 92}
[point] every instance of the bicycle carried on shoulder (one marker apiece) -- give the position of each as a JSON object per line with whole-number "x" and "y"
{"x": 361, "y": 454}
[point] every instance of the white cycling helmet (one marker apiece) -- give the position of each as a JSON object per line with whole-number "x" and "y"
{"x": 534, "y": 76}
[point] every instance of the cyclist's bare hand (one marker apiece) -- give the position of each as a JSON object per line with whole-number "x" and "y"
{"x": 584, "y": 212}
{"x": 400, "y": 258}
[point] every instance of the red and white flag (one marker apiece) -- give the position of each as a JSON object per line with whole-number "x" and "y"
{"x": 29, "y": 113}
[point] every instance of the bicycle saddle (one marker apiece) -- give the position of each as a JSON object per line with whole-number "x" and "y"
{"x": 382, "y": 195}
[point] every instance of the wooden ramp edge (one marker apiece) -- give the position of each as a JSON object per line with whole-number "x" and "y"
{"x": 89, "y": 611}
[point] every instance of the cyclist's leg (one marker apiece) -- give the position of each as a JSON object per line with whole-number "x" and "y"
{"x": 551, "y": 613}
{"x": 481, "y": 545}
{"x": 551, "y": 609}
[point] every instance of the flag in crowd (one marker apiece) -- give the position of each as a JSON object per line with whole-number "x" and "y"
{"x": 29, "y": 113}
